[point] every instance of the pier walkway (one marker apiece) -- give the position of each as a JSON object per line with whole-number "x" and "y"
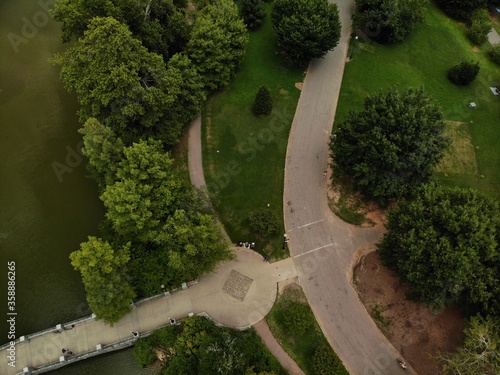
{"x": 238, "y": 294}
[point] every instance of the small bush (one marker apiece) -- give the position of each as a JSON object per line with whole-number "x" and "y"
{"x": 253, "y": 13}
{"x": 494, "y": 53}
{"x": 326, "y": 362}
{"x": 480, "y": 26}
{"x": 297, "y": 318}
{"x": 143, "y": 352}
{"x": 463, "y": 73}
{"x": 264, "y": 222}
{"x": 263, "y": 104}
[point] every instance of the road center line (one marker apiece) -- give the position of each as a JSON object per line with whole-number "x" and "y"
{"x": 310, "y": 251}
{"x": 314, "y": 222}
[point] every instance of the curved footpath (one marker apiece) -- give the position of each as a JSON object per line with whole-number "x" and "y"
{"x": 195, "y": 163}
{"x": 324, "y": 247}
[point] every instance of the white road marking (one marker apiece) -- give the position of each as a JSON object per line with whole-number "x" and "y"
{"x": 314, "y": 222}
{"x": 310, "y": 251}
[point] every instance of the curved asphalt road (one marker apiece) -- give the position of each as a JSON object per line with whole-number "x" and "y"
{"x": 322, "y": 246}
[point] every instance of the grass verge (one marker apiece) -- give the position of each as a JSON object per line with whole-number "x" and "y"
{"x": 423, "y": 61}
{"x": 294, "y": 326}
{"x": 244, "y": 155}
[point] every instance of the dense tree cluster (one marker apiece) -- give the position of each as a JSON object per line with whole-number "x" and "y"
{"x": 305, "y": 29}
{"x": 140, "y": 71}
{"x": 388, "y": 21}
{"x": 446, "y": 245}
{"x": 390, "y": 148}
{"x": 200, "y": 347}
{"x": 253, "y": 13}
{"x": 461, "y": 9}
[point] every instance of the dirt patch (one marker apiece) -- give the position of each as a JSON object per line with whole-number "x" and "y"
{"x": 299, "y": 85}
{"x": 416, "y": 331}
{"x": 460, "y": 156}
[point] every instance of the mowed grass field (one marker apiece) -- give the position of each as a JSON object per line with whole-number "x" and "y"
{"x": 244, "y": 155}
{"x": 423, "y": 61}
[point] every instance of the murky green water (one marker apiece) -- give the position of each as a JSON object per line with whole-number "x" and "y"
{"x": 43, "y": 216}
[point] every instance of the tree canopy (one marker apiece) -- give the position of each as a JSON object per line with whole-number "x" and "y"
{"x": 217, "y": 44}
{"x": 445, "y": 244}
{"x": 388, "y": 21}
{"x": 145, "y": 192}
{"x": 104, "y": 275}
{"x": 480, "y": 354}
{"x": 305, "y": 29}
{"x": 461, "y": 9}
{"x": 200, "y": 347}
{"x": 391, "y": 147}
{"x": 158, "y": 24}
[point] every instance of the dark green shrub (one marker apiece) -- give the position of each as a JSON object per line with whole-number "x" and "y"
{"x": 264, "y": 222}
{"x": 297, "y": 318}
{"x": 461, "y": 9}
{"x": 253, "y": 13}
{"x": 143, "y": 352}
{"x": 325, "y": 361}
{"x": 480, "y": 26}
{"x": 494, "y": 53}
{"x": 463, "y": 73}
{"x": 263, "y": 104}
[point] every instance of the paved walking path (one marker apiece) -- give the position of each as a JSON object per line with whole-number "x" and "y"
{"x": 239, "y": 294}
{"x": 493, "y": 36}
{"x": 324, "y": 247}
{"x": 275, "y": 348}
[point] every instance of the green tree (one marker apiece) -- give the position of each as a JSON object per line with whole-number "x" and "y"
{"x": 104, "y": 151}
{"x": 194, "y": 243}
{"x": 494, "y": 53}
{"x": 263, "y": 104}
{"x": 116, "y": 79}
{"x": 480, "y": 354}
{"x": 264, "y": 222}
{"x": 253, "y": 13}
{"x": 388, "y": 21}
{"x": 305, "y": 29}
{"x": 104, "y": 275}
{"x": 159, "y": 24}
{"x": 390, "y": 148}
{"x": 461, "y": 9}
{"x": 145, "y": 193}
{"x": 480, "y": 26}
{"x": 445, "y": 244}
{"x": 464, "y": 73}
{"x": 217, "y": 43}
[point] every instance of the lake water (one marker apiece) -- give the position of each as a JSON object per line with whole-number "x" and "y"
{"x": 44, "y": 216}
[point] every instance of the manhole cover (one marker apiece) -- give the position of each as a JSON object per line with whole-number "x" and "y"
{"x": 237, "y": 285}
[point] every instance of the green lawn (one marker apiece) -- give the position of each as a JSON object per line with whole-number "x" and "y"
{"x": 301, "y": 347}
{"x": 423, "y": 60}
{"x": 244, "y": 155}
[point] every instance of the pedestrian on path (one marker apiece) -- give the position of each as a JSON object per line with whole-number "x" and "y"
{"x": 324, "y": 174}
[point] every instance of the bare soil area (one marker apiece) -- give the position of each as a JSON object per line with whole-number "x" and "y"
{"x": 416, "y": 331}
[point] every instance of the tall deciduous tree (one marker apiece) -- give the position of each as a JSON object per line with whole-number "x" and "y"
{"x": 159, "y": 24}
{"x": 115, "y": 78}
{"x": 217, "y": 43}
{"x": 104, "y": 274}
{"x": 145, "y": 193}
{"x": 480, "y": 354}
{"x": 104, "y": 151}
{"x": 390, "y": 148}
{"x": 388, "y": 21}
{"x": 305, "y": 29}
{"x": 445, "y": 244}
